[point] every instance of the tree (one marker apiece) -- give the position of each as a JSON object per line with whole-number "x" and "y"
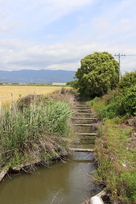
{"x": 98, "y": 73}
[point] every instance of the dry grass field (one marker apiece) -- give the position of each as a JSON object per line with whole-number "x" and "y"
{"x": 13, "y": 93}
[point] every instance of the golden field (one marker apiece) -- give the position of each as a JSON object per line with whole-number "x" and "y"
{"x": 10, "y": 94}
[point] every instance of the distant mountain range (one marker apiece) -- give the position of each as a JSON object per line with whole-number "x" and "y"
{"x": 36, "y": 76}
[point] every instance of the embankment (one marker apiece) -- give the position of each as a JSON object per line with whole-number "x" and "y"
{"x": 116, "y": 152}
{"x": 33, "y": 132}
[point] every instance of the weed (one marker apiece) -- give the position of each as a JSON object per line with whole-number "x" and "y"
{"x": 115, "y": 150}
{"x": 33, "y": 132}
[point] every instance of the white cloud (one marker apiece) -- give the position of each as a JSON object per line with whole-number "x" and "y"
{"x": 12, "y": 26}
{"x": 104, "y": 27}
{"x": 15, "y": 44}
{"x": 22, "y": 45}
{"x": 28, "y": 55}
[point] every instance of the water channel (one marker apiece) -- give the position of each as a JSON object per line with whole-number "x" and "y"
{"x": 64, "y": 182}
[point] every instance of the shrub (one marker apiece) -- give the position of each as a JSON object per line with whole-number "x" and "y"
{"x": 107, "y": 107}
{"x": 73, "y": 84}
{"x": 128, "y": 100}
{"x": 127, "y": 80}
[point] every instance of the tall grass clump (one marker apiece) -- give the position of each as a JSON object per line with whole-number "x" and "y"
{"x": 33, "y": 133}
{"x": 57, "y": 117}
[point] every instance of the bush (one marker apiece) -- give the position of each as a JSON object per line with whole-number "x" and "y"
{"x": 128, "y": 80}
{"x": 108, "y": 106}
{"x": 128, "y": 100}
{"x": 73, "y": 84}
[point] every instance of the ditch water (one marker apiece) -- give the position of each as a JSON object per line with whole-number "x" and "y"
{"x": 64, "y": 182}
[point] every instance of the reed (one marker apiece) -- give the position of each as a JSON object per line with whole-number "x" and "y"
{"x": 33, "y": 133}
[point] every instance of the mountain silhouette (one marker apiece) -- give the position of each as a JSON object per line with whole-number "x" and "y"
{"x": 36, "y": 76}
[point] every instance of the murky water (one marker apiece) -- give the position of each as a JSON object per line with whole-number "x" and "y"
{"x": 65, "y": 183}
{"x": 68, "y": 182}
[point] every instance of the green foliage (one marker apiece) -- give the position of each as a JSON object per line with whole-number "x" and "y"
{"x": 127, "y": 93}
{"x": 98, "y": 73}
{"x": 127, "y": 80}
{"x": 107, "y": 107}
{"x": 57, "y": 117}
{"x": 73, "y": 84}
{"x": 129, "y": 182}
{"x": 128, "y": 100}
{"x": 116, "y": 161}
{"x": 22, "y": 131}
{"x": 116, "y": 104}
{"x": 116, "y": 148}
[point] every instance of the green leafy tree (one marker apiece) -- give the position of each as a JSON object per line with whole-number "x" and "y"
{"x": 98, "y": 73}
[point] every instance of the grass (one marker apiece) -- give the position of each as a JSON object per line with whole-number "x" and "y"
{"x": 10, "y": 94}
{"x": 116, "y": 158}
{"x": 116, "y": 151}
{"x": 34, "y": 132}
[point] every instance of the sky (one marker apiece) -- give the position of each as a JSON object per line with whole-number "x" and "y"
{"x": 57, "y": 34}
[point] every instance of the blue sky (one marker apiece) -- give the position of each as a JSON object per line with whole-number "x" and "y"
{"x": 57, "y": 34}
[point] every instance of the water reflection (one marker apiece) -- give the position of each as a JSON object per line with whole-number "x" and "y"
{"x": 61, "y": 183}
